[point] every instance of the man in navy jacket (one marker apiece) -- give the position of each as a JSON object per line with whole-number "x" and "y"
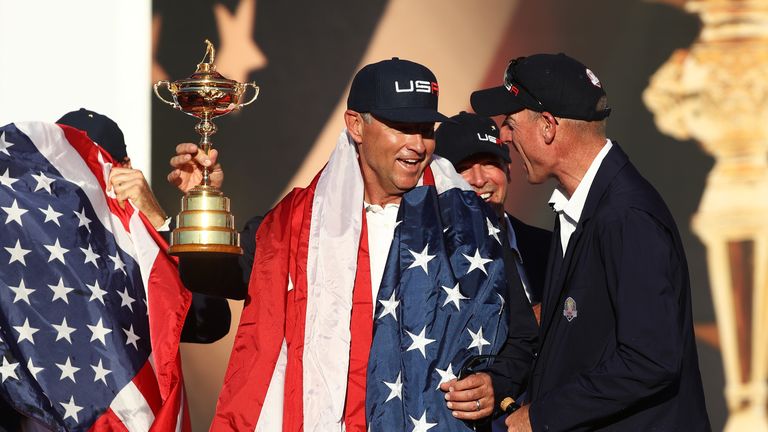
{"x": 617, "y": 349}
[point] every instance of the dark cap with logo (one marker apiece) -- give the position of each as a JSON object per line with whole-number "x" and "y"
{"x": 396, "y": 90}
{"x": 467, "y": 135}
{"x": 100, "y": 129}
{"x": 555, "y": 83}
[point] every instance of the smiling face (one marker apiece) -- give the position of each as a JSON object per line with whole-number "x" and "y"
{"x": 393, "y": 156}
{"x": 521, "y": 131}
{"x": 489, "y": 177}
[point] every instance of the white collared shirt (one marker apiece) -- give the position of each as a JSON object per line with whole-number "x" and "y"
{"x": 381, "y": 222}
{"x": 512, "y": 241}
{"x": 569, "y": 210}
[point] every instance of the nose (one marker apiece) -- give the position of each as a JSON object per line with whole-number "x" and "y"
{"x": 474, "y": 176}
{"x": 416, "y": 143}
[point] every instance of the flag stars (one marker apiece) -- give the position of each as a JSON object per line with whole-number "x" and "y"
{"x": 477, "y": 340}
{"x": 119, "y": 265}
{"x": 71, "y": 409}
{"x": 446, "y": 375}
{"x": 34, "y": 370}
{"x": 51, "y": 215}
{"x": 96, "y": 292}
{"x": 57, "y": 252}
{"x": 395, "y": 388}
{"x": 100, "y": 373}
{"x": 99, "y": 332}
{"x": 21, "y": 291}
{"x": 390, "y": 307}
{"x": 26, "y": 332}
{"x": 67, "y": 370}
{"x": 492, "y": 230}
{"x": 477, "y": 262}
{"x": 421, "y": 259}
{"x": 63, "y": 331}
{"x": 126, "y": 299}
{"x": 60, "y": 291}
{"x": 17, "y": 254}
{"x": 422, "y": 425}
{"x": 83, "y": 220}
{"x": 132, "y": 338}
{"x": 453, "y": 295}
{"x": 8, "y": 370}
{"x": 90, "y": 256}
{"x": 43, "y": 182}
{"x": 7, "y": 180}
{"x": 4, "y": 145}
{"x": 14, "y": 213}
{"x": 420, "y": 342}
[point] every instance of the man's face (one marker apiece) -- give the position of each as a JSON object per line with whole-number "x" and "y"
{"x": 520, "y": 131}
{"x": 488, "y": 175}
{"x": 393, "y": 156}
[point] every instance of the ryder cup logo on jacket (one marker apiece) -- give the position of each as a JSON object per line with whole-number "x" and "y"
{"x": 418, "y": 86}
{"x": 569, "y": 309}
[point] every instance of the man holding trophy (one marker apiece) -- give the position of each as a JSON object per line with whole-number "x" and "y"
{"x": 370, "y": 287}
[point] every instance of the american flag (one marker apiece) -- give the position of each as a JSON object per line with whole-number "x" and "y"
{"x": 86, "y": 292}
{"x": 441, "y": 301}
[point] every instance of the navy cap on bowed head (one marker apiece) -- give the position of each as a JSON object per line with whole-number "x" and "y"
{"x": 100, "y": 129}
{"x": 396, "y": 90}
{"x": 555, "y": 83}
{"x": 468, "y": 135}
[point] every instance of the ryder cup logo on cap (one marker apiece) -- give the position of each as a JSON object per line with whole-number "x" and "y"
{"x": 396, "y": 90}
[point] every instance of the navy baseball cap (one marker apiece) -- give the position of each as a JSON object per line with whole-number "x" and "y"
{"x": 100, "y": 129}
{"x": 396, "y": 90}
{"x": 468, "y": 134}
{"x": 555, "y": 83}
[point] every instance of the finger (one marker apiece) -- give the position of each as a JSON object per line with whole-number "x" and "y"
{"x": 180, "y": 160}
{"x": 469, "y": 411}
{"x": 469, "y": 395}
{"x": 204, "y": 159}
{"x": 187, "y": 148}
{"x": 472, "y": 381}
{"x": 174, "y": 177}
{"x": 446, "y": 386}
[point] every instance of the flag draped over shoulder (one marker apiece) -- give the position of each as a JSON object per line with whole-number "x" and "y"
{"x": 91, "y": 308}
{"x": 441, "y": 300}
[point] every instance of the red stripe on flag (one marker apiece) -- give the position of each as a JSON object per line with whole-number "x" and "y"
{"x": 146, "y": 382}
{"x": 361, "y": 334}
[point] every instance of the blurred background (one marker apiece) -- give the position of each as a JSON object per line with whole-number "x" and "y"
{"x": 60, "y": 56}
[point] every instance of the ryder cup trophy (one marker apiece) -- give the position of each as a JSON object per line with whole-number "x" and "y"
{"x": 205, "y": 223}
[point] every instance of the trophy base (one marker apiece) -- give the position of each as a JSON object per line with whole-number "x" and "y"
{"x": 205, "y": 225}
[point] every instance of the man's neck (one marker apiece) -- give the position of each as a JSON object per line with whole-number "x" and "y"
{"x": 576, "y": 164}
{"x": 381, "y": 198}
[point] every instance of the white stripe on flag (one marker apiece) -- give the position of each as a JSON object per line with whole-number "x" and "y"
{"x": 271, "y": 418}
{"x": 132, "y": 409}
{"x": 334, "y": 237}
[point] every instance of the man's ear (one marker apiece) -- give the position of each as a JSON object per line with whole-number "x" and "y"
{"x": 354, "y": 123}
{"x": 548, "y": 125}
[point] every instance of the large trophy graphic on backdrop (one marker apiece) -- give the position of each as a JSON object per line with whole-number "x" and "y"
{"x": 205, "y": 223}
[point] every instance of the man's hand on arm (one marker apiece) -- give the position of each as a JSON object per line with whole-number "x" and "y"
{"x": 462, "y": 396}
{"x": 519, "y": 421}
{"x": 188, "y": 167}
{"x": 130, "y": 184}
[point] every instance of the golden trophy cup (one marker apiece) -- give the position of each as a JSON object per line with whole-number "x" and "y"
{"x": 205, "y": 223}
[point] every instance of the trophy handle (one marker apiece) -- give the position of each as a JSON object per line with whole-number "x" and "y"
{"x": 167, "y": 86}
{"x": 255, "y": 94}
